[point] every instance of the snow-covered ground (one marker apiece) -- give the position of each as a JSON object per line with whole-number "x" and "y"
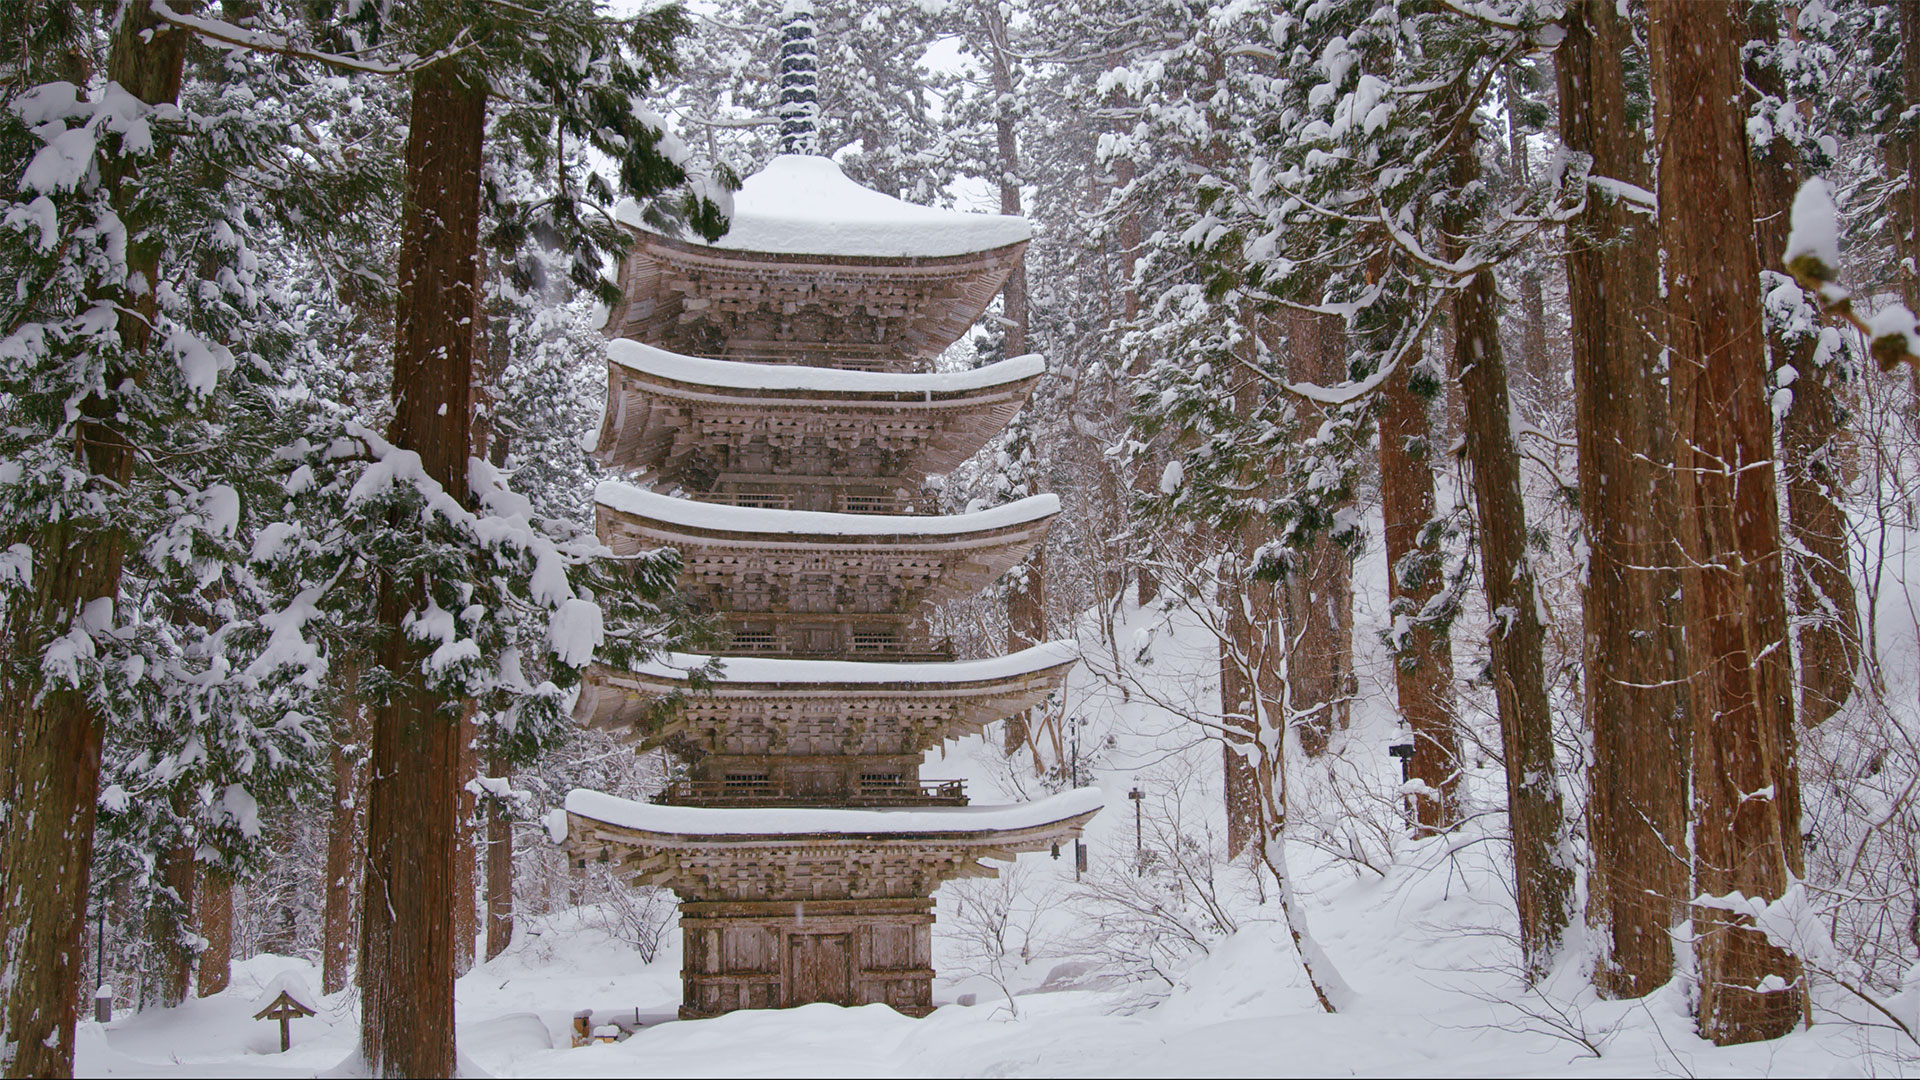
{"x": 1411, "y": 945}
{"x": 1426, "y": 944}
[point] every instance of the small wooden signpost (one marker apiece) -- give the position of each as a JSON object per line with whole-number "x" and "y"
{"x": 284, "y": 1007}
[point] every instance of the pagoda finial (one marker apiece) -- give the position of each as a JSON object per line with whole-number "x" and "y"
{"x": 799, "y": 80}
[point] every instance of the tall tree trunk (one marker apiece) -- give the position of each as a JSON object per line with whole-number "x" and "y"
{"x": 1746, "y": 802}
{"x": 1127, "y": 237}
{"x": 1259, "y": 644}
{"x": 346, "y": 820}
{"x": 1026, "y": 627}
{"x": 1534, "y": 365}
{"x": 1318, "y": 596}
{"x": 1237, "y": 710}
{"x": 1543, "y": 876}
{"x": 1825, "y": 610}
{"x": 50, "y": 764}
{"x": 213, "y": 910}
{"x": 1423, "y": 657}
{"x": 1252, "y": 655}
{"x": 999, "y": 55}
{"x": 1635, "y": 707}
{"x": 406, "y": 920}
{"x": 492, "y": 443}
{"x": 499, "y": 868}
{"x": 466, "y": 854}
{"x": 1903, "y": 159}
{"x": 169, "y": 960}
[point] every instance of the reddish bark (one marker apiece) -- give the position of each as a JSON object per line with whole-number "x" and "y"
{"x": 1026, "y": 627}
{"x": 1423, "y": 663}
{"x": 999, "y": 53}
{"x": 1812, "y": 443}
{"x": 466, "y": 855}
{"x": 1745, "y": 777}
{"x": 346, "y": 819}
{"x": 1318, "y": 597}
{"x": 1543, "y": 881}
{"x": 1635, "y": 708}
{"x": 407, "y": 931}
{"x": 213, "y": 908}
{"x": 169, "y": 966}
{"x": 50, "y": 748}
{"x": 499, "y": 872}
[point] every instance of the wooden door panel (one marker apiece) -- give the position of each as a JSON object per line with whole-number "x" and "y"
{"x": 819, "y": 968}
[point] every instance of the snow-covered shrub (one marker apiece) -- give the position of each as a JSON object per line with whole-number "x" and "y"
{"x": 1146, "y": 918}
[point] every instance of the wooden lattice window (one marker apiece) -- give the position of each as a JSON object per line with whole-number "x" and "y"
{"x": 873, "y": 641}
{"x": 869, "y": 504}
{"x": 753, "y": 641}
{"x": 763, "y": 500}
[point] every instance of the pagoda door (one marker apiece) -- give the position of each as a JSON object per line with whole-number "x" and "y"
{"x": 819, "y": 968}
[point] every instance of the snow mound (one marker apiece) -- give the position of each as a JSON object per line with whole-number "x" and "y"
{"x": 291, "y": 983}
{"x": 804, "y": 205}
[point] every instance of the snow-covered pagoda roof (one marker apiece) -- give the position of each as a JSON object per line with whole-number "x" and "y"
{"x": 932, "y": 701}
{"x": 743, "y": 670}
{"x": 804, "y": 205}
{"x": 801, "y": 824}
{"x": 775, "y": 854}
{"x": 667, "y": 412}
{"x": 923, "y": 558}
{"x": 840, "y": 383}
{"x": 749, "y": 523}
{"x": 816, "y": 270}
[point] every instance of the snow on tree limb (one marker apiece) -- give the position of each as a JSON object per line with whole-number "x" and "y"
{"x": 1813, "y": 257}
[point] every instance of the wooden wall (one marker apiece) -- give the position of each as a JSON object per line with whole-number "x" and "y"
{"x": 778, "y": 955}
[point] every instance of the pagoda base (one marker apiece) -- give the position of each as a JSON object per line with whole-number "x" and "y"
{"x": 777, "y": 954}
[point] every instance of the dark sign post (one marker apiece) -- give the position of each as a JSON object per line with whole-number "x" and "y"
{"x": 1404, "y": 751}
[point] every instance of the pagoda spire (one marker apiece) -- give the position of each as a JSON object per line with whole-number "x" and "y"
{"x": 799, "y": 80}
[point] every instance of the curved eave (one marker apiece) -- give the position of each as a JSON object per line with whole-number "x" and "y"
{"x": 652, "y": 518}
{"x": 980, "y": 692}
{"x": 699, "y": 378}
{"x": 650, "y": 412}
{"x": 668, "y": 285}
{"x": 592, "y": 834}
{"x": 697, "y": 254}
{"x": 594, "y": 818}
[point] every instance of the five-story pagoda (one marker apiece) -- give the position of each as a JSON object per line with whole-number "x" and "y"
{"x": 770, "y": 400}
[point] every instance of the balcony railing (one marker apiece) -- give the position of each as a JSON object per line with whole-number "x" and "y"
{"x": 764, "y": 643}
{"x": 773, "y": 793}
